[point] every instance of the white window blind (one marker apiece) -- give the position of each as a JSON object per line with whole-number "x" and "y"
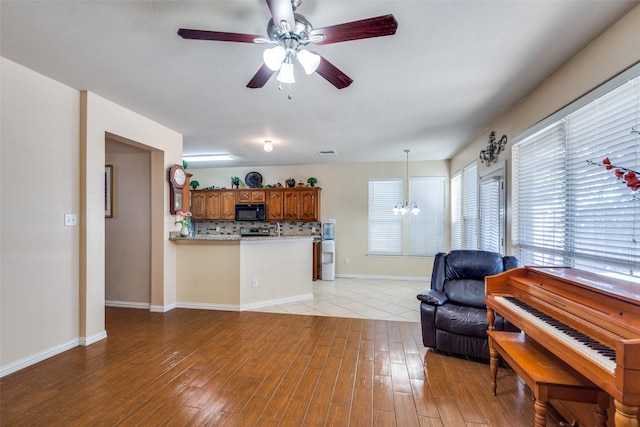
{"x": 385, "y": 227}
{"x": 569, "y": 212}
{"x": 426, "y": 230}
{"x": 456, "y": 211}
{"x": 492, "y": 213}
{"x": 470, "y": 206}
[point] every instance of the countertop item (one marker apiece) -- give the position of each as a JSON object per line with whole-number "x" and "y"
{"x": 227, "y": 237}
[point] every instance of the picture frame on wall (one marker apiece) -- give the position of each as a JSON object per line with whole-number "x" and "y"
{"x": 108, "y": 191}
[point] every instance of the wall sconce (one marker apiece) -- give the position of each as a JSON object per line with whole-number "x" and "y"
{"x": 493, "y": 150}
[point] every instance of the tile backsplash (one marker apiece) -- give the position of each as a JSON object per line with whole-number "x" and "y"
{"x": 233, "y": 228}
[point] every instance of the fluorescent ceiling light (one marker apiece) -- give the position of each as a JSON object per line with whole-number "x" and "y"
{"x": 208, "y": 158}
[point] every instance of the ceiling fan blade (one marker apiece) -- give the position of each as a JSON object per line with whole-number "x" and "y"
{"x": 332, "y": 74}
{"x": 217, "y": 36}
{"x": 261, "y": 77}
{"x": 282, "y": 10}
{"x": 364, "y": 29}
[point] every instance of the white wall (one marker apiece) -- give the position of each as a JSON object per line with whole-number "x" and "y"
{"x": 39, "y": 176}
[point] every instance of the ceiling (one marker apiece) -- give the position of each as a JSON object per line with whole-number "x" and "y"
{"x": 451, "y": 69}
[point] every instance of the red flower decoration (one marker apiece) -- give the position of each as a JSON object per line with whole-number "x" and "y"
{"x": 626, "y": 175}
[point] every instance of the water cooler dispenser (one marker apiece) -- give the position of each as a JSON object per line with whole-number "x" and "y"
{"x": 328, "y": 252}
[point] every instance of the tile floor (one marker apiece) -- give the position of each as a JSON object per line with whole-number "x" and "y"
{"x": 375, "y": 299}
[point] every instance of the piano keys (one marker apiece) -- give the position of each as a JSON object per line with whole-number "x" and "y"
{"x": 589, "y": 321}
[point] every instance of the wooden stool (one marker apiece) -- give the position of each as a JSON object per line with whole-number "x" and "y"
{"x": 547, "y": 376}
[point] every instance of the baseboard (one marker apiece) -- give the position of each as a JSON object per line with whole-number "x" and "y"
{"x": 398, "y": 278}
{"x": 243, "y": 307}
{"x": 162, "y": 308}
{"x": 127, "y": 304}
{"x": 85, "y": 341}
{"x": 38, "y": 357}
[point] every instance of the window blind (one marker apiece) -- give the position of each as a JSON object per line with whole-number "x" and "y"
{"x": 456, "y": 211}
{"x": 385, "y": 227}
{"x": 470, "y": 206}
{"x": 570, "y": 212}
{"x": 491, "y": 214}
{"x": 426, "y": 230}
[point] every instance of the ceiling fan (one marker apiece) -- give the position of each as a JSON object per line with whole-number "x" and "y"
{"x": 291, "y": 33}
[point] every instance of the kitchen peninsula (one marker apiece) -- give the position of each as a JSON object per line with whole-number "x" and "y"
{"x": 230, "y": 272}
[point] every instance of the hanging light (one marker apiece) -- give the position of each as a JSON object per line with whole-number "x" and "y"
{"x": 268, "y": 146}
{"x": 309, "y": 61}
{"x": 286, "y": 71}
{"x": 403, "y": 208}
{"x": 273, "y": 57}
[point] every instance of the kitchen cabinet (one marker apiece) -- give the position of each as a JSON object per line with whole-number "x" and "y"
{"x": 282, "y": 204}
{"x": 250, "y": 196}
{"x": 301, "y": 204}
{"x": 274, "y": 205}
{"x": 198, "y": 206}
{"x": 216, "y": 205}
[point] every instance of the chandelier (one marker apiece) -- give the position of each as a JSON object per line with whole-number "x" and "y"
{"x": 407, "y": 206}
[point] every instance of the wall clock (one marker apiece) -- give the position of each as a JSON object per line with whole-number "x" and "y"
{"x": 177, "y": 179}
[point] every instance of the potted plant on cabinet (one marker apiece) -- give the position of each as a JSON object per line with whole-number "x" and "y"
{"x": 194, "y": 184}
{"x": 235, "y": 182}
{"x": 291, "y": 182}
{"x": 312, "y": 181}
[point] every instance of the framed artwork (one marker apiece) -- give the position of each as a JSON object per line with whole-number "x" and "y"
{"x": 108, "y": 191}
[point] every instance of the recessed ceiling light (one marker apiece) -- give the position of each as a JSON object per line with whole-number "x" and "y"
{"x": 208, "y": 158}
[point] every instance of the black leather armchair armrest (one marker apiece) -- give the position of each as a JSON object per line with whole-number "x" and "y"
{"x": 433, "y": 297}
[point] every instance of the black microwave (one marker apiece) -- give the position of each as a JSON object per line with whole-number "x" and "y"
{"x": 251, "y": 212}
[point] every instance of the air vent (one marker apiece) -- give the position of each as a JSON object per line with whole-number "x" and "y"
{"x": 326, "y": 152}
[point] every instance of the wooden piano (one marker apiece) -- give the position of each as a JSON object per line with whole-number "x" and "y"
{"x": 589, "y": 321}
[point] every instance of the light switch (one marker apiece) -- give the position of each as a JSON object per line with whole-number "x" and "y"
{"x": 70, "y": 220}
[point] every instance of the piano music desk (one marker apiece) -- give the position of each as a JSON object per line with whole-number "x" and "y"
{"x": 547, "y": 376}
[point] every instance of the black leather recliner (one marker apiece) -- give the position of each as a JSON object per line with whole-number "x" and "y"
{"x": 452, "y": 312}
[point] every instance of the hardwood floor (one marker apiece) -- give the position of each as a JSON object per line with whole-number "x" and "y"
{"x": 195, "y": 367}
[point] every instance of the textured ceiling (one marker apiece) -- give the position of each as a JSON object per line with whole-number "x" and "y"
{"x": 451, "y": 69}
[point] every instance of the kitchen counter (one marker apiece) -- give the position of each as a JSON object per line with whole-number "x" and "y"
{"x": 222, "y": 237}
{"x": 230, "y": 272}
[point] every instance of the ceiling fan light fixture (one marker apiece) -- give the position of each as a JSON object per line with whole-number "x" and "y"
{"x": 273, "y": 57}
{"x": 286, "y": 73}
{"x": 309, "y": 61}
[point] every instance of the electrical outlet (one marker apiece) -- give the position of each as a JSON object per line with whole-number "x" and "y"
{"x": 70, "y": 220}
{"x": 347, "y": 260}
{"x": 217, "y": 229}
{"x": 313, "y": 229}
{"x": 254, "y": 282}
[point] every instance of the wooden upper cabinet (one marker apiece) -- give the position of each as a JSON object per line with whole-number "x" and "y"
{"x": 198, "y": 206}
{"x": 282, "y": 204}
{"x": 274, "y": 205}
{"x": 228, "y": 205}
{"x": 310, "y": 205}
{"x": 212, "y": 203}
{"x": 291, "y": 205}
{"x": 301, "y": 204}
{"x": 250, "y": 196}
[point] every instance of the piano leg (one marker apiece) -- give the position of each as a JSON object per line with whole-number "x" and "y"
{"x": 540, "y": 416}
{"x": 493, "y": 365}
{"x": 626, "y": 415}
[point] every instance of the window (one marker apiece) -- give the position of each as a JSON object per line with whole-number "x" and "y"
{"x": 567, "y": 211}
{"x": 470, "y": 206}
{"x": 426, "y": 230}
{"x": 492, "y": 215}
{"x": 456, "y": 211}
{"x": 386, "y": 229}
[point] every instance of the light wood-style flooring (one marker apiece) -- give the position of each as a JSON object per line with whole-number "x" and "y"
{"x": 197, "y": 368}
